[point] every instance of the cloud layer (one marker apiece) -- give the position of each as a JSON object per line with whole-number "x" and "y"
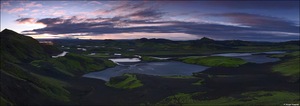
{"x": 244, "y": 20}
{"x": 98, "y": 26}
{"x": 256, "y": 4}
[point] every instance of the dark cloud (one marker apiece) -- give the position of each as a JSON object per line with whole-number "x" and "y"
{"x": 148, "y": 14}
{"x": 258, "y": 21}
{"x": 50, "y": 21}
{"x": 256, "y": 4}
{"x": 129, "y": 6}
{"x": 25, "y": 20}
{"x": 96, "y": 26}
{"x": 74, "y": 25}
{"x": 137, "y": 10}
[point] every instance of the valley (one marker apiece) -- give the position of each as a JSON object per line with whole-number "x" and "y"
{"x": 147, "y": 72}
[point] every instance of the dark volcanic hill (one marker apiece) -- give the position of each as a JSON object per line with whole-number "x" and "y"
{"x": 29, "y": 76}
{"x": 16, "y": 47}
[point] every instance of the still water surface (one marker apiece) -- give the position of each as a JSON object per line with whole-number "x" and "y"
{"x": 253, "y": 57}
{"x": 169, "y": 68}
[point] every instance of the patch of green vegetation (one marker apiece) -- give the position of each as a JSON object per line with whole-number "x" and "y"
{"x": 52, "y": 87}
{"x": 247, "y": 98}
{"x": 15, "y": 70}
{"x": 289, "y": 68}
{"x": 48, "y": 87}
{"x": 73, "y": 64}
{"x": 178, "y": 99}
{"x": 292, "y": 54}
{"x": 16, "y": 47}
{"x": 149, "y": 58}
{"x": 214, "y": 61}
{"x": 179, "y": 77}
{"x": 199, "y": 82}
{"x": 9, "y": 57}
{"x": 277, "y": 55}
{"x": 4, "y": 102}
{"x": 267, "y": 47}
{"x": 127, "y": 81}
{"x": 101, "y": 55}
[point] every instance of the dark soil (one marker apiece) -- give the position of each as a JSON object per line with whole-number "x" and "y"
{"x": 89, "y": 91}
{"x": 248, "y": 77}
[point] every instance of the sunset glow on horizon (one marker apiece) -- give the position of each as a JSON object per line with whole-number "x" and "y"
{"x": 175, "y": 20}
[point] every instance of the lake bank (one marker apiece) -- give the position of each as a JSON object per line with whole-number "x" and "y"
{"x": 220, "y": 82}
{"x": 224, "y": 82}
{"x": 172, "y": 68}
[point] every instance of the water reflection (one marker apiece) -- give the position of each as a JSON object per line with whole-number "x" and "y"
{"x": 152, "y": 68}
{"x": 253, "y": 57}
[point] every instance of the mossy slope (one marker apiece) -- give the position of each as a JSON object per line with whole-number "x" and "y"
{"x": 214, "y": 61}
{"x": 16, "y": 47}
{"x": 290, "y": 67}
{"x": 127, "y": 81}
{"x": 73, "y": 64}
{"x": 27, "y": 71}
{"x": 247, "y": 98}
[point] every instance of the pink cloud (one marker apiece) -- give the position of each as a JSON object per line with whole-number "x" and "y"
{"x": 35, "y": 11}
{"x": 58, "y": 13}
{"x": 95, "y": 2}
{"x": 23, "y": 15}
{"x": 57, "y": 7}
{"x": 15, "y": 10}
{"x": 5, "y": 3}
{"x": 100, "y": 12}
{"x": 33, "y": 4}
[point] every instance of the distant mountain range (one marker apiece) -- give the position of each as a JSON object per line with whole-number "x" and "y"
{"x": 157, "y": 47}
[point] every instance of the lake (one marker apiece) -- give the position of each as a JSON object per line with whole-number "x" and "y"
{"x": 170, "y": 68}
{"x": 253, "y": 57}
{"x": 125, "y": 60}
{"x": 60, "y": 55}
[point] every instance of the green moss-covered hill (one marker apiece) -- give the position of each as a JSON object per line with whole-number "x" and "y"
{"x": 272, "y": 98}
{"x": 127, "y": 81}
{"x": 16, "y": 47}
{"x": 290, "y": 67}
{"x": 30, "y": 76}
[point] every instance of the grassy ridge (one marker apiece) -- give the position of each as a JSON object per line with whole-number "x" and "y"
{"x": 292, "y": 54}
{"x": 16, "y": 47}
{"x": 4, "y": 102}
{"x": 179, "y": 77}
{"x": 37, "y": 83}
{"x": 47, "y": 87}
{"x": 149, "y": 59}
{"x": 247, "y": 98}
{"x": 73, "y": 64}
{"x": 289, "y": 67}
{"x": 214, "y": 61}
{"x": 127, "y": 81}
{"x": 53, "y": 88}
{"x": 199, "y": 82}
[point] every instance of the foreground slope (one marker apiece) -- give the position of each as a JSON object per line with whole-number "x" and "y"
{"x": 29, "y": 76}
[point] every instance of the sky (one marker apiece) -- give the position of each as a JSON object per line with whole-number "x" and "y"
{"x": 254, "y": 20}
